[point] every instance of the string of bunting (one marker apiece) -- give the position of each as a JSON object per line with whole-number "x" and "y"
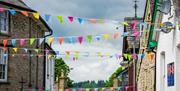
{"x": 123, "y": 88}
{"x": 75, "y": 55}
{"x": 71, "y": 19}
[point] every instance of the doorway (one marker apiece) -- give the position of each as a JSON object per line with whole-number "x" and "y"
{"x": 162, "y": 70}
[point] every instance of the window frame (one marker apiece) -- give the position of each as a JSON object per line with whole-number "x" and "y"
{"x": 6, "y": 64}
{"x": 6, "y": 23}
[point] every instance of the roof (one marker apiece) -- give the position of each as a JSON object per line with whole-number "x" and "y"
{"x": 19, "y": 4}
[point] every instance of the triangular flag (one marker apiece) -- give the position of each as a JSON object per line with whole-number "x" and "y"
{"x": 80, "y": 39}
{"x": 98, "y": 38}
{"x": 31, "y": 41}
{"x": 134, "y": 56}
{"x": 22, "y": 42}
{"x": 152, "y": 56}
{"x": 99, "y": 54}
{"x": 142, "y": 56}
{"x": 60, "y": 18}
{"x": 25, "y": 13}
{"x": 136, "y": 34}
{"x": 36, "y": 15}
{"x": 49, "y": 56}
{"x": 129, "y": 57}
{"x": 2, "y": 9}
{"x": 125, "y": 34}
{"x": 41, "y": 40}
{"x": 70, "y": 18}
{"x": 12, "y": 11}
{"x": 5, "y": 42}
{"x": 50, "y": 40}
{"x": 93, "y": 21}
{"x": 68, "y": 52}
{"x": 125, "y": 23}
{"x": 101, "y": 21}
{"x": 116, "y": 34}
{"x": 15, "y": 50}
{"x": 13, "y": 41}
{"x": 125, "y": 56}
{"x": 106, "y": 36}
{"x": 119, "y": 56}
{"x": 47, "y": 17}
{"x": 133, "y": 25}
{"x": 40, "y": 56}
{"x": 60, "y": 40}
{"x": 36, "y": 50}
{"x": 89, "y": 37}
{"x": 26, "y": 50}
{"x": 77, "y": 54}
{"x": 81, "y": 21}
{"x": 70, "y": 39}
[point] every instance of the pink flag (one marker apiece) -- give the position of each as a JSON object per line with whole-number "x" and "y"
{"x": 133, "y": 25}
{"x": 80, "y": 38}
{"x": 70, "y": 18}
{"x": 116, "y": 34}
{"x": 22, "y": 42}
{"x": 2, "y": 9}
{"x": 134, "y": 56}
{"x": 136, "y": 34}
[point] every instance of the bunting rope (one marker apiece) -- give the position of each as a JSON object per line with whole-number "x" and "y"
{"x": 71, "y": 18}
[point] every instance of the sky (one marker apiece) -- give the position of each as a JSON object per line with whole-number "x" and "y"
{"x": 88, "y": 68}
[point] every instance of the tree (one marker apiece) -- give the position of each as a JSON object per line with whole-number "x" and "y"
{"x": 114, "y": 75}
{"x": 61, "y": 68}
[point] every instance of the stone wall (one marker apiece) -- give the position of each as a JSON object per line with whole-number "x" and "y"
{"x": 146, "y": 76}
{"x": 19, "y": 66}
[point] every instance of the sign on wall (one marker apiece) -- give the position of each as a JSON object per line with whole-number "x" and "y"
{"x": 170, "y": 74}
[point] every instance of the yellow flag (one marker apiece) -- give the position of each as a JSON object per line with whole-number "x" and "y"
{"x": 49, "y": 57}
{"x": 36, "y": 15}
{"x": 106, "y": 36}
{"x": 125, "y": 56}
{"x": 129, "y": 57}
{"x": 125, "y": 23}
{"x": 50, "y": 39}
{"x": 60, "y": 89}
{"x": 15, "y": 49}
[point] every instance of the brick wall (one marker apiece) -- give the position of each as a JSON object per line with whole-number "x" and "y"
{"x": 18, "y": 66}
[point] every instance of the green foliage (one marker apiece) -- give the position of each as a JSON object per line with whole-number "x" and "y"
{"x": 61, "y": 67}
{"x": 114, "y": 75}
{"x": 90, "y": 84}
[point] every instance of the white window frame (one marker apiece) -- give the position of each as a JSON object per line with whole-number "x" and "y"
{"x": 4, "y": 59}
{"x": 5, "y": 21}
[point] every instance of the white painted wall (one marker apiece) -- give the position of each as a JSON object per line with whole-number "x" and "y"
{"x": 167, "y": 43}
{"x": 50, "y": 74}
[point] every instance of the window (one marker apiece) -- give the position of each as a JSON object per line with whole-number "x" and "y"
{"x": 3, "y": 65}
{"x": 4, "y": 24}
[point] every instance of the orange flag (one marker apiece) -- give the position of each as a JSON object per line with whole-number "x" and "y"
{"x": 5, "y": 42}
{"x": 25, "y": 13}
{"x": 60, "y": 40}
{"x": 93, "y": 21}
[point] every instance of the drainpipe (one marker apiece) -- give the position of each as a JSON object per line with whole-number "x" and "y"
{"x": 44, "y": 79}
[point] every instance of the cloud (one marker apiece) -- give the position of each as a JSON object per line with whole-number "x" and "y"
{"x": 91, "y": 68}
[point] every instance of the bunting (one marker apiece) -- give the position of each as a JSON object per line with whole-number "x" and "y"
{"x": 60, "y": 18}
{"x": 36, "y": 15}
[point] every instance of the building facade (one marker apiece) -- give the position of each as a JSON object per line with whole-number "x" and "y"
{"x": 18, "y": 71}
{"x": 168, "y": 52}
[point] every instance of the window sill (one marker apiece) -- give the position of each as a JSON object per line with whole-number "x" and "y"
{"x": 4, "y": 82}
{"x": 5, "y": 34}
